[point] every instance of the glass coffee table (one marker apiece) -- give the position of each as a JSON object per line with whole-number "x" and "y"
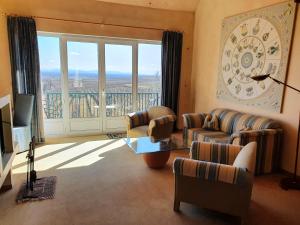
{"x": 155, "y": 153}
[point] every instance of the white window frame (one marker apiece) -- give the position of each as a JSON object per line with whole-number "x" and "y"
{"x": 101, "y": 41}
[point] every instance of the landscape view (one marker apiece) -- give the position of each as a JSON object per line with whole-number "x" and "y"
{"x": 85, "y": 100}
{"x": 84, "y": 93}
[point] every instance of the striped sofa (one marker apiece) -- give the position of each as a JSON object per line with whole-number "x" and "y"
{"x": 216, "y": 176}
{"x": 239, "y": 129}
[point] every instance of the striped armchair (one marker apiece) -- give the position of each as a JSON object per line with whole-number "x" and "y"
{"x": 239, "y": 129}
{"x": 217, "y": 177}
{"x": 157, "y": 122}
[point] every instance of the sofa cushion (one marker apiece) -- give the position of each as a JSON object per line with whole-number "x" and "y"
{"x": 200, "y": 134}
{"x": 192, "y": 134}
{"x": 226, "y": 119}
{"x": 141, "y": 131}
{"x": 211, "y": 123}
{"x": 247, "y": 121}
{"x": 240, "y": 122}
{"x": 259, "y": 123}
{"x": 214, "y": 137}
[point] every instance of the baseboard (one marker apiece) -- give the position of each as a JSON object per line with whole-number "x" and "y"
{"x": 287, "y": 173}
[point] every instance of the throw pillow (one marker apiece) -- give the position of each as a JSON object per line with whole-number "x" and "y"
{"x": 246, "y": 158}
{"x": 211, "y": 122}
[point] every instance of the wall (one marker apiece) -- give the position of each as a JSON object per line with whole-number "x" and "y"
{"x": 205, "y": 69}
{"x": 94, "y": 11}
{"x": 5, "y": 78}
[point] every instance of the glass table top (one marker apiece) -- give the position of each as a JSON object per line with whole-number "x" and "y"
{"x": 142, "y": 145}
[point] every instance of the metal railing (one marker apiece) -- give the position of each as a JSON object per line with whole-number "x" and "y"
{"x": 86, "y": 105}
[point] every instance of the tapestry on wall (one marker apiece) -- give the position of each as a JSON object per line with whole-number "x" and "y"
{"x": 255, "y": 43}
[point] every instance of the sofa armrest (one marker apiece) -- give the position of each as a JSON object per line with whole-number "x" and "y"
{"x": 244, "y": 137}
{"x": 213, "y": 172}
{"x": 161, "y": 127}
{"x": 193, "y": 120}
{"x": 137, "y": 119}
{"x": 214, "y": 152}
{"x": 161, "y": 121}
{"x": 269, "y": 143}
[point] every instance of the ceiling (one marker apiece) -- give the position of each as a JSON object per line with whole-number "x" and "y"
{"x": 178, "y": 5}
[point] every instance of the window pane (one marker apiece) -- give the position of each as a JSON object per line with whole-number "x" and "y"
{"x": 50, "y": 76}
{"x": 118, "y": 69}
{"x": 83, "y": 79}
{"x": 149, "y": 76}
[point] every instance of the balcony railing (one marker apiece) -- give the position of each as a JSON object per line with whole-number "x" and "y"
{"x": 86, "y": 105}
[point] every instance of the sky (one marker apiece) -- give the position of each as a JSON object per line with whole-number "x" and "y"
{"x": 84, "y": 56}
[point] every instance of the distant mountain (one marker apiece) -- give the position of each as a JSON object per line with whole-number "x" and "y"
{"x": 87, "y": 74}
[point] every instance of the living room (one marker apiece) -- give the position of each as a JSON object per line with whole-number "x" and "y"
{"x": 93, "y": 143}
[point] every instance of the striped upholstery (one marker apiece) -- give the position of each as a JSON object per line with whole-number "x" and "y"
{"x": 212, "y": 152}
{"x": 210, "y": 171}
{"x": 254, "y": 122}
{"x": 240, "y": 122}
{"x": 190, "y": 121}
{"x": 159, "y": 111}
{"x": 193, "y": 120}
{"x": 137, "y": 119}
{"x": 214, "y": 137}
{"x": 211, "y": 123}
{"x": 164, "y": 120}
{"x": 192, "y": 134}
{"x": 268, "y": 147}
{"x": 222, "y": 187}
{"x": 226, "y": 118}
{"x": 239, "y": 129}
{"x": 200, "y": 134}
{"x": 157, "y": 122}
{"x": 258, "y": 123}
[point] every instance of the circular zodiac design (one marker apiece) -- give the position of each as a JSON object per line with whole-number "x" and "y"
{"x": 252, "y": 48}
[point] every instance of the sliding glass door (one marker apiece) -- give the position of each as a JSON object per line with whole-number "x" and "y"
{"x": 52, "y": 87}
{"x": 149, "y": 75}
{"x": 118, "y": 84}
{"x": 90, "y": 83}
{"x": 83, "y": 85}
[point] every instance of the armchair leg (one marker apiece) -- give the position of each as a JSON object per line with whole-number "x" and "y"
{"x": 176, "y": 205}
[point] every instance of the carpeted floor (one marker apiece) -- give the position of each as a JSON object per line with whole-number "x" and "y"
{"x": 103, "y": 182}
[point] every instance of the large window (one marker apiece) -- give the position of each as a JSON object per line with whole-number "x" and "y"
{"x": 118, "y": 71}
{"x": 91, "y": 83}
{"x": 49, "y": 52}
{"x": 83, "y": 79}
{"x": 149, "y": 75}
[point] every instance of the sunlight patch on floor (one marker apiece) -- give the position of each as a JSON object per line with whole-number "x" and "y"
{"x": 71, "y": 155}
{"x": 93, "y": 157}
{"x": 40, "y": 151}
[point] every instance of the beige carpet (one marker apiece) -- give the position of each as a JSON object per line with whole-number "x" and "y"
{"x": 103, "y": 182}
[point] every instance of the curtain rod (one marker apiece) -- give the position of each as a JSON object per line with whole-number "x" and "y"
{"x": 95, "y": 23}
